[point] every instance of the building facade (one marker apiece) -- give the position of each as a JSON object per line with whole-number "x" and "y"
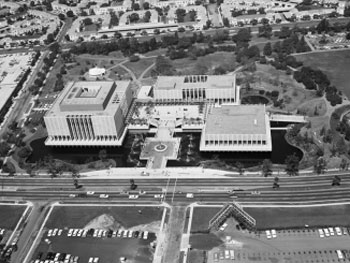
{"x": 216, "y": 89}
{"x": 89, "y": 114}
{"x": 238, "y": 128}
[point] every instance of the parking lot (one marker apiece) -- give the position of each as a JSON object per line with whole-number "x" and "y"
{"x": 103, "y": 234}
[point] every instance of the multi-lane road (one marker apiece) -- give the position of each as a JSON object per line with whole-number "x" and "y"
{"x": 310, "y": 189}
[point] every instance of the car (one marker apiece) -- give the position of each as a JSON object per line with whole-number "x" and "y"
{"x": 189, "y": 195}
{"x": 140, "y": 234}
{"x": 104, "y": 196}
{"x": 75, "y": 259}
{"x": 80, "y": 232}
{"x": 338, "y": 231}
{"x": 49, "y": 233}
{"x": 125, "y": 234}
{"x": 130, "y": 234}
{"x": 273, "y": 233}
{"x": 90, "y": 193}
{"x": 133, "y": 196}
{"x": 268, "y": 234}
{"x": 145, "y": 235}
{"x": 54, "y": 232}
{"x": 2, "y": 232}
{"x": 104, "y": 233}
{"x": 320, "y": 231}
{"x": 96, "y": 260}
{"x": 70, "y": 232}
{"x": 119, "y": 234}
{"x": 216, "y": 257}
{"x": 91, "y": 260}
{"x": 100, "y": 233}
{"x": 75, "y": 232}
{"x": 95, "y": 234}
{"x": 72, "y": 195}
{"x": 158, "y": 196}
{"x": 345, "y": 231}
{"x": 255, "y": 192}
{"x": 326, "y": 232}
{"x": 136, "y": 234}
{"x": 59, "y": 232}
{"x": 222, "y": 228}
{"x": 144, "y": 174}
{"x": 331, "y": 231}
{"x": 222, "y": 255}
{"x": 142, "y": 192}
{"x": 84, "y": 234}
{"x": 114, "y": 234}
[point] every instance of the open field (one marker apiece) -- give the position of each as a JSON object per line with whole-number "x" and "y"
{"x": 335, "y": 64}
{"x": 139, "y": 66}
{"x": 80, "y": 216}
{"x": 201, "y": 217}
{"x": 10, "y": 214}
{"x": 298, "y": 217}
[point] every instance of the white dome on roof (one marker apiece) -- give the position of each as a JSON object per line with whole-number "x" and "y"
{"x": 97, "y": 71}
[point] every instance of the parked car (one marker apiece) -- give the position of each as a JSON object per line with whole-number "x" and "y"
{"x": 320, "y": 231}
{"x": 224, "y": 225}
{"x": 273, "y": 233}
{"x": 104, "y": 196}
{"x": 189, "y": 195}
{"x": 338, "y": 231}
{"x": 90, "y": 193}
{"x": 268, "y": 234}
{"x": 133, "y": 196}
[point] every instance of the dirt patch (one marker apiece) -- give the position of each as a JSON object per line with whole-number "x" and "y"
{"x": 107, "y": 221}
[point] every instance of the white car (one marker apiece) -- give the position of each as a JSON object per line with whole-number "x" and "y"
{"x": 326, "y": 232}
{"x": 59, "y": 232}
{"x": 90, "y": 193}
{"x": 75, "y": 232}
{"x": 189, "y": 195}
{"x": 255, "y": 193}
{"x": 331, "y": 231}
{"x": 2, "y": 231}
{"x": 119, "y": 234}
{"x": 125, "y": 234}
{"x": 133, "y": 196}
{"x": 72, "y": 195}
{"x": 320, "y": 231}
{"x": 145, "y": 235}
{"x": 104, "y": 233}
{"x": 222, "y": 228}
{"x": 100, "y": 233}
{"x": 70, "y": 232}
{"x": 91, "y": 260}
{"x": 84, "y": 233}
{"x": 54, "y": 232}
{"x": 104, "y": 196}
{"x": 273, "y": 233}
{"x": 268, "y": 234}
{"x": 130, "y": 234}
{"x": 80, "y": 232}
{"x": 338, "y": 231}
{"x": 49, "y": 233}
{"x": 158, "y": 196}
{"x": 95, "y": 233}
{"x": 114, "y": 234}
{"x": 96, "y": 260}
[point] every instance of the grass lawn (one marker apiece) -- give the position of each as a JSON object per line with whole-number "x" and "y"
{"x": 10, "y": 214}
{"x": 268, "y": 218}
{"x": 335, "y": 64}
{"x": 201, "y": 217}
{"x": 79, "y": 216}
{"x": 187, "y": 66}
{"x": 139, "y": 66}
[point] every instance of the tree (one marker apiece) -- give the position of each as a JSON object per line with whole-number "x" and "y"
{"x": 87, "y": 21}
{"x": 134, "y": 17}
{"x": 336, "y": 181}
{"x": 180, "y": 15}
{"x": 146, "y": 5}
{"x": 323, "y": 26}
{"x": 61, "y": 16}
{"x": 320, "y": 165}
{"x": 266, "y": 168}
{"x": 70, "y": 13}
{"x": 275, "y": 183}
{"x": 136, "y": 6}
{"x": 163, "y": 66}
{"x": 24, "y": 152}
{"x": 133, "y": 186}
{"x": 240, "y": 168}
{"x": 67, "y": 38}
{"x": 50, "y": 38}
{"x": 344, "y": 165}
{"x": 292, "y": 165}
{"x": 267, "y": 49}
{"x": 4, "y": 149}
{"x": 102, "y": 154}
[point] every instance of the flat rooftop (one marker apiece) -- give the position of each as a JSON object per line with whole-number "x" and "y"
{"x": 236, "y": 119}
{"x": 12, "y": 67}
{"x": 191, "y": 81}
{"x": 89, "y": 98}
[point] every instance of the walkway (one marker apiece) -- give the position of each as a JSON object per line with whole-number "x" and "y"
{"x": 162, "y": 147}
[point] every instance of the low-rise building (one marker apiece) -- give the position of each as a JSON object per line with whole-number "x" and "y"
{"x": 89, "y": 114}
{"x": 237, "y": 128}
